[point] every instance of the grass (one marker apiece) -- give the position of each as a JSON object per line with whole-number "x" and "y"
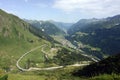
{"x": 34, "y": 57}
{"x": 59, "y": 74}
{"x": 106, "y": 77}
{"x": 11, "y": 51}
{"x": 25, "y": 77}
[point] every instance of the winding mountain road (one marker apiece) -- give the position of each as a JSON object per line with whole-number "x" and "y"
{"x": 33, "y": 68}
{"x": 17, "y": 63}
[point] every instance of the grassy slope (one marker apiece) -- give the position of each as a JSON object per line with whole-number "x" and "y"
{"x": 62, "y": 74}
{"x": 15, "y": 39}
{"x": 106, "y": 77}
{"x": 25, "y": 77}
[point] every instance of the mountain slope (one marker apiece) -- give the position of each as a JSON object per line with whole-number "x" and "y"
{"x": 13, "y": 27}
{"x": 68, "y": 56}
{"x": 106, "y": 66}
{"x": 47, "y": 27}
{"x": 16, "y": 39}
{"x": 101, "y": 34}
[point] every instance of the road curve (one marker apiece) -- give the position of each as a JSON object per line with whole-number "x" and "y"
{"x": 34, "y": 69}
{"x": 17, "y": 63}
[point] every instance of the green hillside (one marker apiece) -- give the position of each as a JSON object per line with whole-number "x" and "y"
{"x": 15, "y": 40}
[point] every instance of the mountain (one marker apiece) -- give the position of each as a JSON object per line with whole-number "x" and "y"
{"x": 97, "y": 35}
{"x": 107, "y": 66}
{"x": 9, "y": 24}
{"x": 81, "y": 23}
{"x": 47, "y": 27}
{"x": 14, "y": 27}
{"x": 16, "y": 38}
{"x": 62, "y": 25}
{"x": 34, "y": 49}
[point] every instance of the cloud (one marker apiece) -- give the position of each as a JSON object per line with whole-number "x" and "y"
{"x": 95, "y": 7}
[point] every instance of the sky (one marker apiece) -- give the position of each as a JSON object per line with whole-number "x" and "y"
{"x": 61, "y": 10}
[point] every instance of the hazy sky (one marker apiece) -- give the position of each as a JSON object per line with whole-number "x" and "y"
{"x": 61, "y": 10}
